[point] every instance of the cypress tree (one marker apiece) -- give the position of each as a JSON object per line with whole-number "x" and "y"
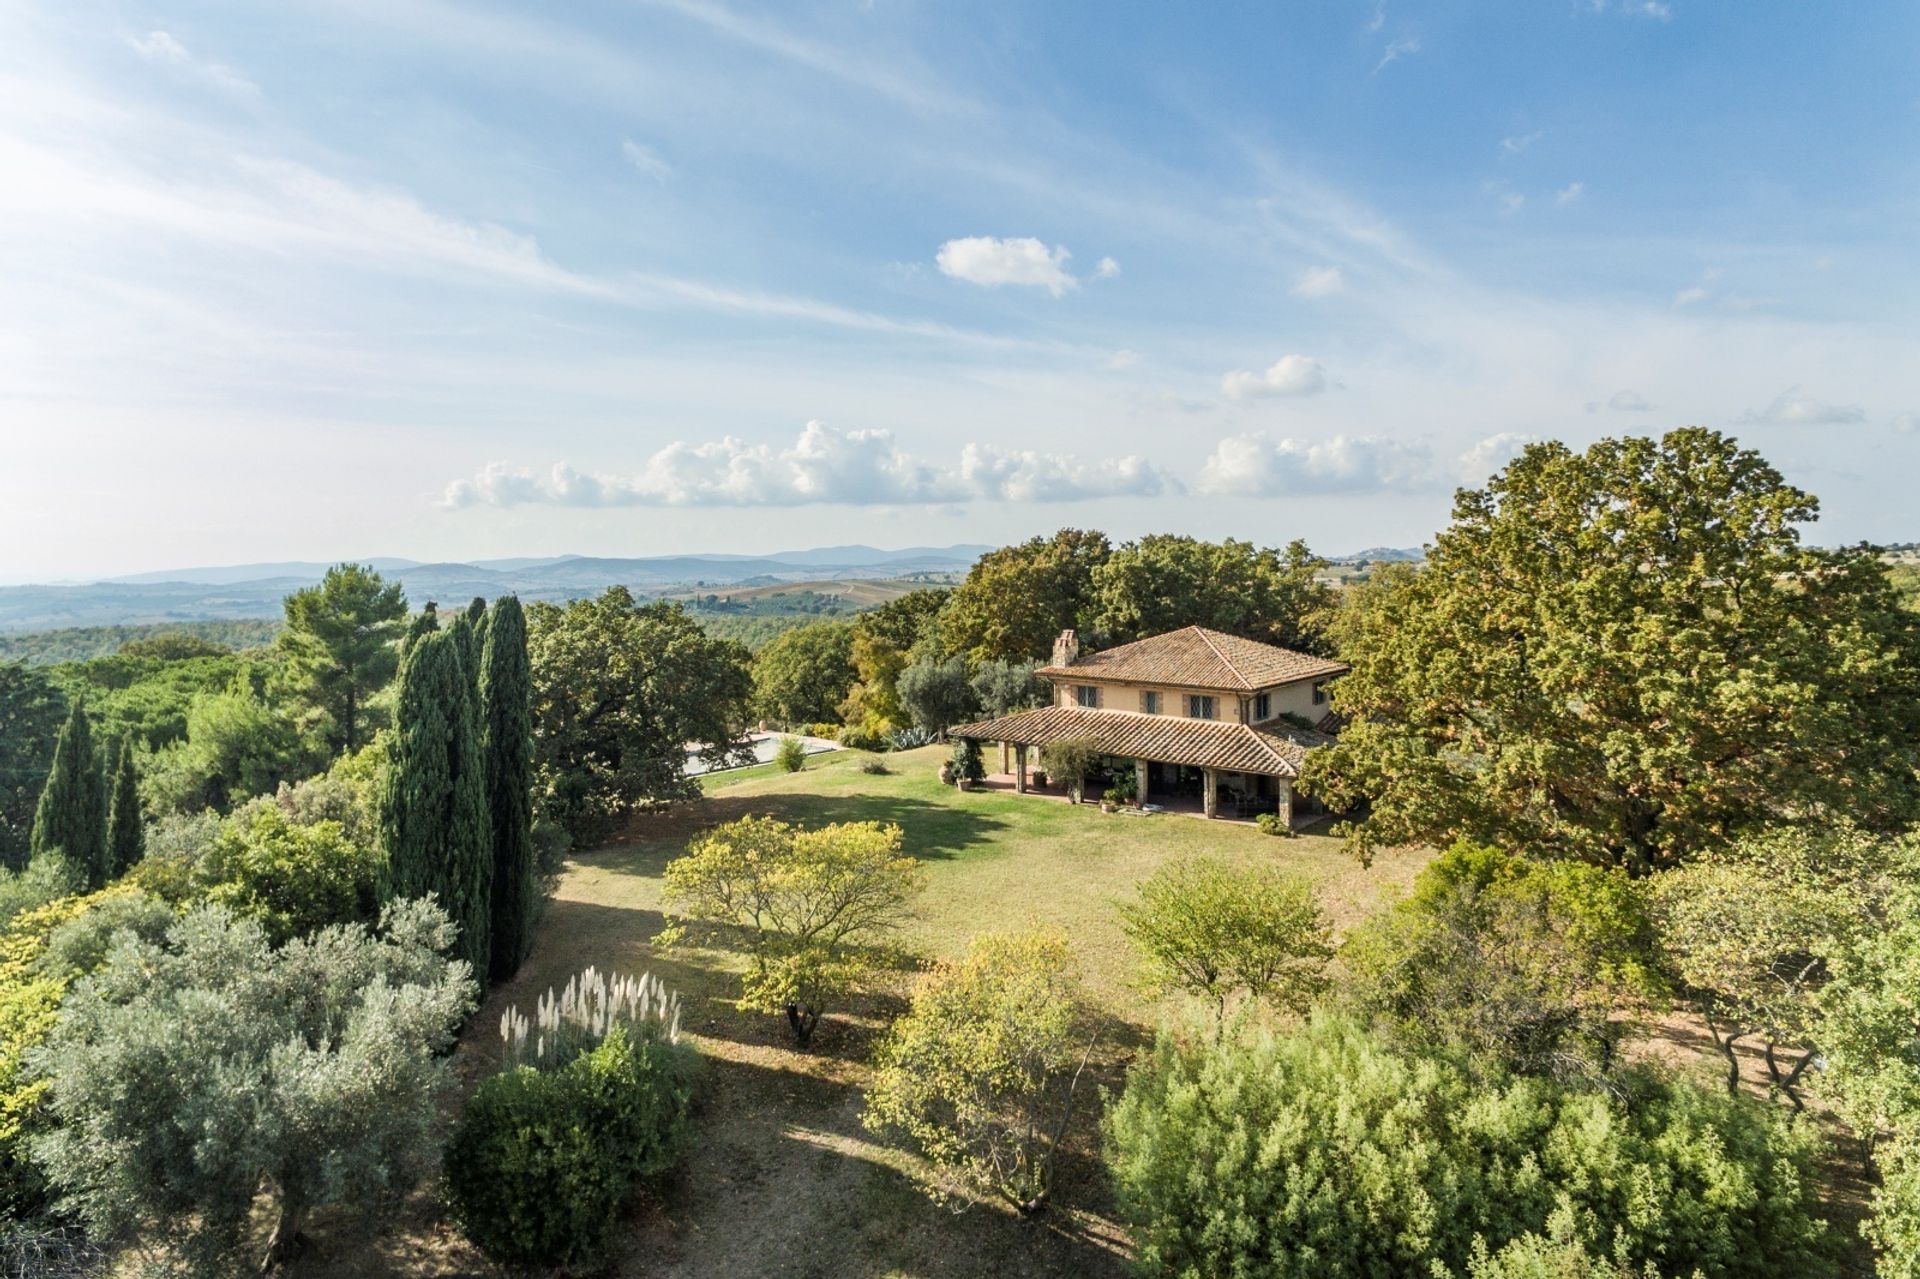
{"x": 505, "y": 685}
{"x": 126, "y": 827}
{"x": 433, "y": 814}
{"x": 72, "y": 812}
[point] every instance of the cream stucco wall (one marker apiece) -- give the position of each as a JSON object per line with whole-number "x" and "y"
{"x": 1229, "y": 706}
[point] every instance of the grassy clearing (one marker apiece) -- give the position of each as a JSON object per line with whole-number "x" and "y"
{"x": 784, "y": 1181}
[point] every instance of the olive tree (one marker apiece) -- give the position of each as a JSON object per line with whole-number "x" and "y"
{"x": 814, "y": 904}
{"x": 190, "y": 1076}
{"x": 1069, "y": 760}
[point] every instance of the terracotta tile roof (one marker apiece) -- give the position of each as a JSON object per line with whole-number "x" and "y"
{"x": 1199, "y": 658}
{"x": 1170, "y": 739}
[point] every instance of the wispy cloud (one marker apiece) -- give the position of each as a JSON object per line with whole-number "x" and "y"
{"x": 161, "y": 48}
{"x": 645, "y": 160}
{"x": 1691, "y": 294}
{"x": 1395, "y": 50}
{"x": 1290, "y": 375}
{"x": 1318, "y": 282}
{"x": 1516, "y": 143}
{"x": 824, "y": 466}
{"x": 1569, "y": 193}
{"x": 1792, "y": 408}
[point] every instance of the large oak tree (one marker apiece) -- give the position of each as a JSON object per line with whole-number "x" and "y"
{"x": 1626, "y": 655}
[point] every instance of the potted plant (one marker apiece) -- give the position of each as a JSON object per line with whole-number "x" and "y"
{"x": 1040, "y": 778}
{"x": 946, "y": 772}
{"x": 966, "y": 765}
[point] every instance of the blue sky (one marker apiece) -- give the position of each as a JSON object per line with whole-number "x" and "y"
{"x": 330, "y": 278}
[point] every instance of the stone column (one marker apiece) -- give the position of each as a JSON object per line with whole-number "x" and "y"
{"x": 1140, "y": 770}
{"x": 1003, "y": 758}
{"x": 1285, "y": 789}
{"x": 1209, "y": 792}
{"x": 1019, "y": 768}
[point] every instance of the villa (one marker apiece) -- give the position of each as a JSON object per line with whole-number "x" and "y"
{"x": 1199, "y": 713}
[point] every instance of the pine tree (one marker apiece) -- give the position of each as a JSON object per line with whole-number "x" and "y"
{"x": 434, "y": 811}
{"x": 505, "y": 681}
{"x": 71, "y": 816}
{"x": 126, "y": 827}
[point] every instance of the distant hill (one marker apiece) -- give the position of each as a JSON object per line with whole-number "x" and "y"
{"x": 1376, "y": 554}
{"x": 255, "y": 590}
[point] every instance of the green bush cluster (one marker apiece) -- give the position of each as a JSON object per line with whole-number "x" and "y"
{"x": 294, "y": 879}
{"x": 542, "y": 1162}
{"x": 791, "y": 754}
{"x": 1324, "y": 1153}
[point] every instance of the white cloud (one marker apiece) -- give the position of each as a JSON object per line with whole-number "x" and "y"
{"x": 1569, "y": 193}
{"x": 1791, "y": 408}
{"x": 1483, "y": 460}
{"x": 646, "y": 160}
{"x": 990, "y": 261}
{"x": 824, "y": 466}
{"x": 1291, "y": 375}
{"x": 1511, "y": 201}
{"x": 1689, "y": 295}
{"x": 1396, "y": 50}
{"x": 1256, "y": 465}
{"x": 161, "y": 48}
{"x": 1519, "y": 142}
{"x": 1121, "y": 361}
{"x": 1107, "y": 270}
{"x": 1629, "y": 402}
{"x": 1905, "y": 423}
{"x": 1319, "y": 282}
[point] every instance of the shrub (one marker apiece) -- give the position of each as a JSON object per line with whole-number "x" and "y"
{"x": 967, "y": 764}
{"x": 1214, "y": 930}
{"x": 1069, "y": 760}
{"x": 29, "y": 1010}
{"x": 1273, "y": 824}
{"x": 80, "y": 945}
{"x": 542, "y": 1161}
{"x": 46, "y": 878}
{"x": 874, "y": 766}
{"x": 791, "y": 754}
{"x": 1517, "y": 963}
{"x": 294, "y": 879}
{"x": 981, "y": 1073}
{"x": 1323, "y": 1153}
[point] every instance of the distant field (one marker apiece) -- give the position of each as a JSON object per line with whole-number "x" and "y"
{"x": 783, "y": 1181}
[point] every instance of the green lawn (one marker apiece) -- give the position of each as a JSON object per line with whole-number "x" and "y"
{"x": 784, "y": 1181}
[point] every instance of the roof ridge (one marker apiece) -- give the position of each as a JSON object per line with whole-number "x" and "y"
{"x": 1206, "y": 637}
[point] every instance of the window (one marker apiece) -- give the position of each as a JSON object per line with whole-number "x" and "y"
{"x": 1150, "y": 702}
{"x": 1086, "y": 695}
{"x": 1319, "y": 694}
{"x": 1262, "y": 707}
{"x": 1199, "y": 707}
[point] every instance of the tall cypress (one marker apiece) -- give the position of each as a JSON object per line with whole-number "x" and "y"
{"x": 433, "y": 813}
{"x": 126, "y": 826}
{"x": 72, "y": 816}
{"x": 505, "y": 686}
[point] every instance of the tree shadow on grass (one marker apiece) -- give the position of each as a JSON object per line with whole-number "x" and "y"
{"x": 785, "y": 1181}
{"x": 930, "y": 831}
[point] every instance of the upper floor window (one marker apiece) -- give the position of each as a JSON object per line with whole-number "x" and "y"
{"x": 1262, "y": 707}
{"x": 1150, "y": 702}
{"x": 1319, "y": 694}
{"x": 1086, "y": 695}
{"x": 1199, "y": 706}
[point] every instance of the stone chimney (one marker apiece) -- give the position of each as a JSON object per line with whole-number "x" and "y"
{"x": 1066, "y": 649}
